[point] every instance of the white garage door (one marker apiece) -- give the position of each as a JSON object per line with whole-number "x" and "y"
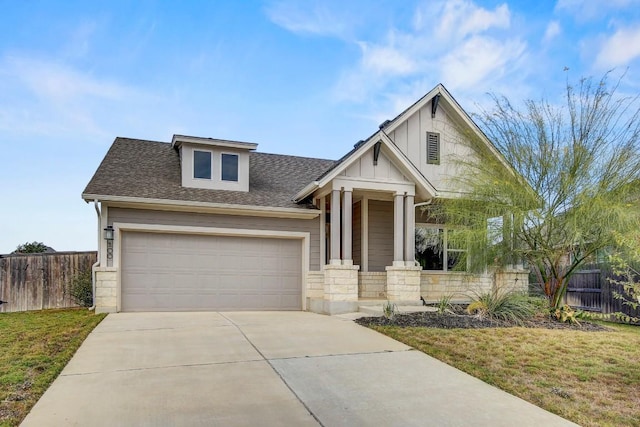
{"x": 180, "y": 272}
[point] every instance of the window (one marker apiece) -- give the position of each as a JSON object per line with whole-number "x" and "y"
{"x": 201, "y": 164}
{"x": 229, "y": 167}
{"x": 440, "y": 249}
{"x": 433, "y": 148}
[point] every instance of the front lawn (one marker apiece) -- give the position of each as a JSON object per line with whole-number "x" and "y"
{"x": 34, "y": 347}
{"x": 590, "y": 378}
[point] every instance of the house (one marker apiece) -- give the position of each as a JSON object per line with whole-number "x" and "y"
{"x": 210, "y": 224}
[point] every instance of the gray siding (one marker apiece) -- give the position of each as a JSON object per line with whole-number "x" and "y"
{"x": 380, "y": 235}
{"x": 357, "y": 234}
{"x": 143, "y": 216}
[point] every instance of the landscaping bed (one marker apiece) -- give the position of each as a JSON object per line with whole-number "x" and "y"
{"x": 457, "y": 318}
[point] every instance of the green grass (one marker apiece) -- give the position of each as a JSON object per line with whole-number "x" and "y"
{"x": 34, "y": 347}
{"x": 590, "y": 378}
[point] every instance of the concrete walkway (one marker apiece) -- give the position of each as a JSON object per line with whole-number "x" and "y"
{"x": 267, "y": 369}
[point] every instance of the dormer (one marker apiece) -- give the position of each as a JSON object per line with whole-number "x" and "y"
{"x": 214, "y": 164}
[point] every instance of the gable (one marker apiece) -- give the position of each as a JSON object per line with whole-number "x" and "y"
{"x": 384, "y": 169}
{"x": 430, "y": 143}
{"x": 437, "y": 116}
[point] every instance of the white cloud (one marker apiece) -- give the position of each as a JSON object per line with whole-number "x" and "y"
{"x": 620, "y": 48}
{"x": 585, "y": 10}
{"x": 469, "y": 44}
{"x": 552, "y": 31}
{"x": 463, "y": 18}
{"x": 479, "y": 59}
{"x": 315, "y": 19}
{"x": 43, "y": 97}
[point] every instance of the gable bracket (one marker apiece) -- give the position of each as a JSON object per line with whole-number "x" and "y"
{"x": 434, "y": 105}
{"x": 376, "y": 152}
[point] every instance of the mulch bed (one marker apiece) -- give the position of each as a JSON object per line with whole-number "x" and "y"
{"x": 459, "y": 319}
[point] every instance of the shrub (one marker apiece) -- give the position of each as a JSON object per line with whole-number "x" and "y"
{"x": 81, "y": 288}
{"x": 502, "y": 305}
{"x": 389, "y": 310}
{"x": 444, "y": 304}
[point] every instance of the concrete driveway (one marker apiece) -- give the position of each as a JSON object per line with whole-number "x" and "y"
{"x": 267, "y": 369}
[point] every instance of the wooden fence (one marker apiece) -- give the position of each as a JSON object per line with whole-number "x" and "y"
{"x": 592, "y": 290}
{"x": 39, "y": 281}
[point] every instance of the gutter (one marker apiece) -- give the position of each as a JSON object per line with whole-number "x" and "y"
{"x": 97, "y": 263}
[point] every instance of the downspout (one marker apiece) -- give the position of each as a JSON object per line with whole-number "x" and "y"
{"x": 97, "y": 263}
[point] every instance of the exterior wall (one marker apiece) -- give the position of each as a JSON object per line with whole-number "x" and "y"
{"x": 216, "y": 182}
{"x": 372, "y": 285}
{"x": 364, "y": 168}
{"x": 411, "y": 135}
{"x": 463, "y": 287}
{"x": 143, "y": 216}
{"x": 380, "y": 235}
{"x": 106, "y": 298}
{"x": 357, "y": 234}
{"x": 403, "y": 284}
{"x": 315, "y": 284}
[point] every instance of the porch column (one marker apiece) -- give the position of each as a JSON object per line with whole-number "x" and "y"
{"x": 347, "y": 213}
{"x": 398, "y": 230}
{"x": 335, "y": 227}
{"x": 323, "y": 231}
{"x": 409, "y": 236}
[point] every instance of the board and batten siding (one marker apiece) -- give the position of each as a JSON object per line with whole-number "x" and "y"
{"x": 411, "y": 137}
{"x": 384, "y": 170}
{"x": 380, "y": 235}
{"x": 143, "y": 216}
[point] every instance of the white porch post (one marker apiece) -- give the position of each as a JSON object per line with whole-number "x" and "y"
{"x": 347, "y": 213}
{"x": 323, "y": 231}
{"x": 364, "y": 257}
{"x": 335, "y": 227}
{"x": 409, "y": 226}
{"x": 398, "y": 230}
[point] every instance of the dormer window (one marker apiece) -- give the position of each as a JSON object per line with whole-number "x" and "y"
{"x": 202, "y": 164}
{"x": 213, "y": 164}
{"x": 229, "y": 167}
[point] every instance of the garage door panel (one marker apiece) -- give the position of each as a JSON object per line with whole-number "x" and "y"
{"x": 196, "y": 272}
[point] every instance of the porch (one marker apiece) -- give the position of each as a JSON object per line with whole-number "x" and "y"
{"x": 368, "y": 255}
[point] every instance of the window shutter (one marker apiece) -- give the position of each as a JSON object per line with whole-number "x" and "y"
{"x": 433, "y": 148}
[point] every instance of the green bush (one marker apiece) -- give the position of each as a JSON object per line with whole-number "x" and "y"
{"x": 81, "y": 288}
{"x": 502, "y": 305}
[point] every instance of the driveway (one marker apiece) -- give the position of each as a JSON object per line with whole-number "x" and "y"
{"x": 268, "y": 369}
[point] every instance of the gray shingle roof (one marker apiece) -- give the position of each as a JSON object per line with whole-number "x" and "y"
{"x": 151, "y": 169}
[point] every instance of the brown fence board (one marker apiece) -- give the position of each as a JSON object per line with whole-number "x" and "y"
{"x": 39, "y": 281}
{"x": 593, "y": 290}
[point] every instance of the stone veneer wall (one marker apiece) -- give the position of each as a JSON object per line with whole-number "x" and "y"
{"x": 435, "y": 284}
{"x": 106, "y": 298}
{"x": 315, "y": 284}
{"x": 372, "y": 285}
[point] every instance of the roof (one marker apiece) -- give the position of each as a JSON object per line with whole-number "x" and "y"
{"x": 151, "y": 170}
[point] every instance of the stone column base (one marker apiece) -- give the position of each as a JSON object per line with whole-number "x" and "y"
{"x": 340, "y": 289}
{"x": 403, "y": 283}
{"x": 106, "y": 298}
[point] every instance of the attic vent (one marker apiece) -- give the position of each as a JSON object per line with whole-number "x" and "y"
{"x": 433, "y": 148}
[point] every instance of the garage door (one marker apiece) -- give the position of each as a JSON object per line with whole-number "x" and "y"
{"x": 179, "y": 272}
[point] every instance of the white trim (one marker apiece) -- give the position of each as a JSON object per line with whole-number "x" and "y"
{"x": 349, "y": 184}
{"x": 205, "y": 207}
{"x": 177, "y": 141}
{"x": 119, "y": 227}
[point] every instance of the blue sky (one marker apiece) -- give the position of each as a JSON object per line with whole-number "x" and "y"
{"x": 306, "y": 78}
